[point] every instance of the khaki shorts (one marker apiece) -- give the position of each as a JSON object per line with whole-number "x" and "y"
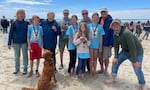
{"x": 62, "y": 43}
{"x": 106, "y": 54}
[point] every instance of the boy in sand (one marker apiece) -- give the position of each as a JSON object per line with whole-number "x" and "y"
{"x": 35, "y": 43}
{"x": 131, "y": 49}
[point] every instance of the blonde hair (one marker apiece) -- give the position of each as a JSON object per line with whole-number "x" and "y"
{"x": 79, "y": 34}
{"x": 22, "y": 11}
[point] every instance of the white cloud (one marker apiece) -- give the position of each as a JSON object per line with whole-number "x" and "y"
{"x": 29, "y": 2}
{"x": 131, "y": 14}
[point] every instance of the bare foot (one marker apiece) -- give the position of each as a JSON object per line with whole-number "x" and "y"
{"x": 143, "y": 87}
{"x": 110, "y": 81}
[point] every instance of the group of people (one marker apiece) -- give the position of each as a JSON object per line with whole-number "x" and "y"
{"x": 87, "y": 41}
{"x": 138, "y": 28}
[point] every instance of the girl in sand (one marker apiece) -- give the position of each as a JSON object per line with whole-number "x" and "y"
{"x": 82, "y": 44}
{"x": 72, "y": 29}
{"x": 95, "y": 32}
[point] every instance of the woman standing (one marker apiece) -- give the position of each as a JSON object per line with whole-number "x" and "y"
{"x": 18, "y": 37}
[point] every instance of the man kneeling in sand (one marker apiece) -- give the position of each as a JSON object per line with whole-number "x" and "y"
{"x": 131, "y": 49}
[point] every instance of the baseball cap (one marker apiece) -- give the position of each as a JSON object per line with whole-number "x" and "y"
{"x": 66, "y": 11}
{"x": 104, "y": 9}
{"x": 116, "y": 21}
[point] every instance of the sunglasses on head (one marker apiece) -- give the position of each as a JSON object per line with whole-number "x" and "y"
{"x": 84, "y": 13}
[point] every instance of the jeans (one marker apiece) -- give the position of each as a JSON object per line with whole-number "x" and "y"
{"x": 72, "y": 62}
{"x": 138, "y": 71}
{"x": 81, "y": 65}
{"x": 5, "y": 30}
{"x": 146, "y": 34}
{"x": 17, "y": 49}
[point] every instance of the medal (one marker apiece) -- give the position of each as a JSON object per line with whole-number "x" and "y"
{"x": 94, "y": 30}
{"x": 36, "y": 32}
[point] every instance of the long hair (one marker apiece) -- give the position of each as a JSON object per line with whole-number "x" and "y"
{"x": 79, "y": 34}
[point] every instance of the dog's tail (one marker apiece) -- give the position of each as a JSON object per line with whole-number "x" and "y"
{"x": 25, "y": 88}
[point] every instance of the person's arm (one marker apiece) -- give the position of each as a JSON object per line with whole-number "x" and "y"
{"x": 111, "y": 40}
{"x": 131, "y": 47}
{"x": 76, "y": 41}
{"x": 10, "y": 38}
{"x": 101, "y": 44}
{"x": 28, "y": 39}
{"x": 116, "y": 47}
{"x": 56, "y": 28}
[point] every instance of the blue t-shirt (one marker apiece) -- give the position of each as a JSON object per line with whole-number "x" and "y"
{"x": 72, "y": 30}
{"x": 95, "y": 31}
{"x": 83, "y": 55}
{"x": 35, "y": 34}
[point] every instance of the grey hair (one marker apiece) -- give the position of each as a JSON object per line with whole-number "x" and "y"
{"x": 51, "y": 13}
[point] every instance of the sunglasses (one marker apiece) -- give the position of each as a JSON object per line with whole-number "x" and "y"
{"x": 66, "y": 13}
{"x": 84, "y": 13}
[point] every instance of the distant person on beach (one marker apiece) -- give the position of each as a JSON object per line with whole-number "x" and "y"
{"x": 146, "y": 29}
{"x": 82, "y": 43}
{"x": 51, "y": 30}
{"x": 18, "y": 37}
{"x": 96, "y": 33}
{"x": 139, "y": 29}
{"x": 35, "y": 44}
{"x": 72, "y": 30}
{"x": 5, "y": 25}
{"x": 63, "y": 39}
{"x": 105, "y": 20}
{"x": 132, "y": 50}
{"x": 131, "y": 26}
{"x": 86, "y": 19}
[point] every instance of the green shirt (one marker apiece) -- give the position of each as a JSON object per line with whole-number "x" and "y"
{"x": 130, "y": 45}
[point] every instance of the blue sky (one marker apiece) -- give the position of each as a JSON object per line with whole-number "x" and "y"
{"x": 123, "y": 9}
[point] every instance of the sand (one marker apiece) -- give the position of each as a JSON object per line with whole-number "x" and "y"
{"x": 126, "y": 79}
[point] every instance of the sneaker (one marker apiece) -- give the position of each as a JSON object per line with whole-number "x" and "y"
{"x": 16, "y": 72}
{"x": 37, "y": 73}
{"x": 61, "y": 66}
{"x": 110, "y": 81}
{"x": 30, "y": 74}
{"x": 24, "y": 72}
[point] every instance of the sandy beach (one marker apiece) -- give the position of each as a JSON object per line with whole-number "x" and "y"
{"x": 126, "y": 79}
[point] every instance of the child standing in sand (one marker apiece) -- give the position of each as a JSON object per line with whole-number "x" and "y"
{"x": 95, "y": 32}
{"x": 72, "y": 29}
{"x": 35, "y": 43}
{"x": 82, "y": 44}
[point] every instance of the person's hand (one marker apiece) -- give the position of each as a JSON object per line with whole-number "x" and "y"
{"x": 110, "y": 46}
{"x": 62, "y": 30}
{"x": 115, "y": 61}
{"x": 85, "y": 39}
{"x": 54, "y": 28}
{"x": 9, "y": 46}
{"x": 136, "y": 64}
{"x": 81, "y": 38}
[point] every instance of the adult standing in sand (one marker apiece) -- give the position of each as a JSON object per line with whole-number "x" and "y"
{"x": 105, "y": 20}
{"x": 63, "y": 39}
{"x": 50, "y": 31}
{"x": 18, "y": 37}
{"x": 131, "y": 49}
